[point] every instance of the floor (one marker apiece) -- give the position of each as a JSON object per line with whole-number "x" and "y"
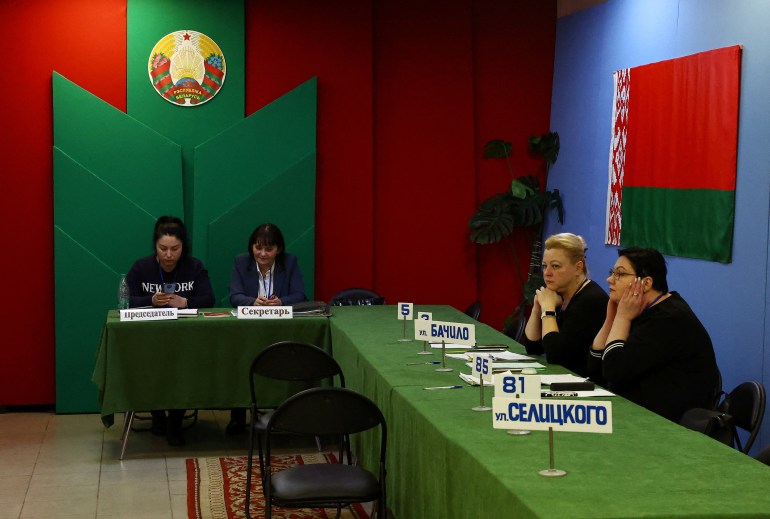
{"x": 67, "y": 466}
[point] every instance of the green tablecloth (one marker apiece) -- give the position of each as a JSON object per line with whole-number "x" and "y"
{"x": 447, "y": 461}
{"x": 191, "y": 363}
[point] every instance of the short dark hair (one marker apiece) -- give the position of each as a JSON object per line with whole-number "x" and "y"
{"x": 171, "y": 226}
{"x": 268, "y": 235}
{"x": 648, "y": 262}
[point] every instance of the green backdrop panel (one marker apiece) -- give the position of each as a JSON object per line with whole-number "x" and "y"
{"x": 267, "y": 159}
{"x": 117, "y": 148}
{"x": 113, "y": 176}
{"x": 278, "y": 202}
{"x": 223, "y": 22}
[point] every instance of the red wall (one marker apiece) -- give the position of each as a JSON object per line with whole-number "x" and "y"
{"x": 407, "y": 96}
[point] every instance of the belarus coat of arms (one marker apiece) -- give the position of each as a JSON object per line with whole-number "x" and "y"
{"x": 187, "y": 68}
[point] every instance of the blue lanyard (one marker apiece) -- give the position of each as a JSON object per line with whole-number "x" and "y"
{"x": 267, "y": 288}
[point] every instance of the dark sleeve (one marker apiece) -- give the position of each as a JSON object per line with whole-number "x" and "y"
{"x": 652, "y": 341}
{"x": 296, "y": 290}
{"x": 532, "y": 347}
{"x": 203, "y": 295}
{"x": 578, "y": 327}
{"x": 134, "y": 281}
{"x": 238, "y": 293}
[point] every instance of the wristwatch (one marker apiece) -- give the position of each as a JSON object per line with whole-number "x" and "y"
{"x": 547, "y": 313}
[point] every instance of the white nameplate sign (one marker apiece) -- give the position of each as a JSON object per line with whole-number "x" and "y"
{"x": 148, "y": 314}
{"x": 562, "y": 415}
{"x": 405, "y": 311}
{"x": 425, "y": 316}
{"x": 482, "y": 367}
{"x": 437, "y": 331}
{"x": 265, "y": 312}
{"x": 516, "y": 386}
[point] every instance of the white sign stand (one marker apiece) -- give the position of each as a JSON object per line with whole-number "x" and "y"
{"x": 425, "y": 316}
{"x": 405, "y": 313}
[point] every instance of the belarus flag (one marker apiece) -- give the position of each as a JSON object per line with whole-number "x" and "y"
{"x": 673, "y": 155}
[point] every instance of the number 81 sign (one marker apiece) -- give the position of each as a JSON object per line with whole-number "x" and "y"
{"x": 509, "y": 385}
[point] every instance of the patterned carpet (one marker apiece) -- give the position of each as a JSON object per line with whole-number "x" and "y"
{"x": 216, "y": 489}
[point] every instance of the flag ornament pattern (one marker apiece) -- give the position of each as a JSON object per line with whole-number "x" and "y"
{"x": 673, "y": 155}
{"x": 187, "y": 68}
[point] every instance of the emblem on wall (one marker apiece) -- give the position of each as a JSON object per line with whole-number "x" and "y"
{"x": 187, "y": 68}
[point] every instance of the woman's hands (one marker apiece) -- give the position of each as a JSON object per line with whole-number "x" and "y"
{"x": 172, "y": 300}
{"x": 631, "y": 302}
{"x": 268, "y": 301}
{"x": 547, "y": 299}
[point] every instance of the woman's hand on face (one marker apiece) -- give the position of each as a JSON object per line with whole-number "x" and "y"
{"x": 631, "y": 302}
{"x": 547, "y": 298}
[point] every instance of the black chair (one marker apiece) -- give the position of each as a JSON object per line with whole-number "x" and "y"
{"x": 356, "y": 297}
{"x": 746, "y": 404}
{"x": 292, "y": 362}
{"x": 474, "y": 310}
{"x": 325, "y": 411}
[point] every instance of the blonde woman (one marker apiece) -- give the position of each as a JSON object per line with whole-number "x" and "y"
{"x": 569, "y": 310}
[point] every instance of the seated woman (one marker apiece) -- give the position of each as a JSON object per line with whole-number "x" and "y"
{"x": 652, "y": 349}
{"x": 265, "y": 275}
{"x": 569, "y": 310}
{"x": 186, "y": 284}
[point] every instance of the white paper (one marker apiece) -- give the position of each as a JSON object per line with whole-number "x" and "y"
{"x": 513, "y": 365}
{"x": 563, "y": 377}
{"x": 450, "y": 345}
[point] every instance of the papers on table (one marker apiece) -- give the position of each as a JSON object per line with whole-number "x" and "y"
{"x": 187, "y": 312}
{"x": 450, "y": 346}
{"x": 502, "y": 366}
{"x": 544, "y": 381}
{"x": 495, "y": 355}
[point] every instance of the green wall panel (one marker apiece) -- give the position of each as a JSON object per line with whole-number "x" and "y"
{"x": 261, "y": 169}
{"x": 223, "y": 22}
{"x": 279, "y": 202}
{"x": 107, "y": 196}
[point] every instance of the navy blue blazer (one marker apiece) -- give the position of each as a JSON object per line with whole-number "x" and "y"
{"x": 244, "y": 281}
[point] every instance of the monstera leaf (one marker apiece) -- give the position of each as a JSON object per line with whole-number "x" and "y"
{"x": 493, "y": 220}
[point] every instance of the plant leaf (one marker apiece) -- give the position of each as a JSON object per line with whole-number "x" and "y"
{"x": 546, "y": 146}
{"x": 520, "y": 189}
{"x": 497, "y": 149}
{"x": 493, "y": 220}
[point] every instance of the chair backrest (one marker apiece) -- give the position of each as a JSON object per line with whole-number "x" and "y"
{"x": 356, "y": 297}
{"x": 294, "y": 361}
{"x": 746, "y": 404}
{"x": 327, "y": 411}
{"x": 474, "y": 310}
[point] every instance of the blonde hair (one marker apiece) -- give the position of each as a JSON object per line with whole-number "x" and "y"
{"x": 573, "y": 245}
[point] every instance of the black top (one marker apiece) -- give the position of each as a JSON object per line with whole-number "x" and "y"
{"x": 146, "y": 278}
{"x": 578, "y": 325}
{"x": 667, "y": 364}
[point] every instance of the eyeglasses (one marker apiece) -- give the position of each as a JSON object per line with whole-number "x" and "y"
{"x": 617, "y": 275}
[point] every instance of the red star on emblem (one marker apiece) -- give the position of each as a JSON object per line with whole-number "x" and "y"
{"x": 186, "y": 36}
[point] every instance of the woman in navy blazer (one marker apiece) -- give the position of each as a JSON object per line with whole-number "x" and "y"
{"x": 266, "y": 275}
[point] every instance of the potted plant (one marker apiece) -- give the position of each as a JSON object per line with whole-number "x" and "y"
{"x": 521, "y": 208}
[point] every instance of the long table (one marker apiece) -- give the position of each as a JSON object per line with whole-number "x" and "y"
{"x": 191, "y": 363}
{"x": 445, "y": 460}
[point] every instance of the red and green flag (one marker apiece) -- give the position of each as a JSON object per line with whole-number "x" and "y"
{"x": 673, "y": 155}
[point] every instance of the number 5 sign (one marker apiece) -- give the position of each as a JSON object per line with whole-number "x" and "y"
{"x": 405, "y": 311}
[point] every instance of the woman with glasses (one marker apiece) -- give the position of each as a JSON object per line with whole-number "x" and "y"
{"x": 652, "y": 349}
{"x": 569, "y": 310}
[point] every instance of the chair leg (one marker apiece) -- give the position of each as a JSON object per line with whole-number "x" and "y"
{"x": 339, "y": 511}
{"x": 249, "y": 466}
{"x": 318, "y": 443}
{"x": 128, "y": 419}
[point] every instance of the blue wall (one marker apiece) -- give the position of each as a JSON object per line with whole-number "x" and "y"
{"x": 590, "y": 45}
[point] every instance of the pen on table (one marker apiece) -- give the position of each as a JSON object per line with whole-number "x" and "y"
{"x": 431, "y": 362}
{"x": 444, "y": 387}
{"x": 558, "y": 394}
